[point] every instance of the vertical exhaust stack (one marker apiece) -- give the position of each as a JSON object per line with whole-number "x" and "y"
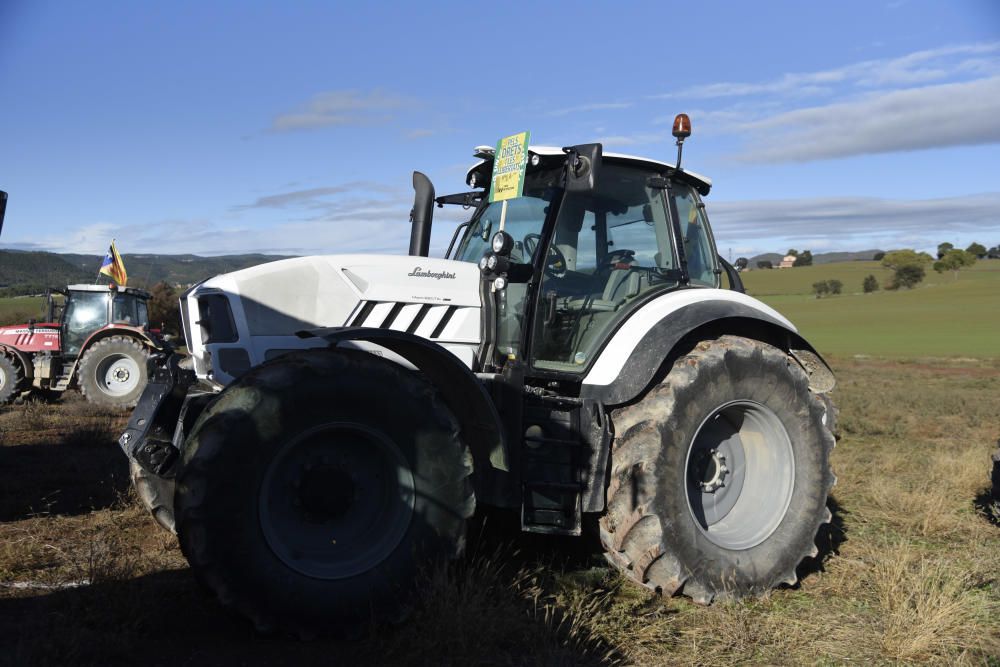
{"x": 3, "y": 208}
{"x": 421, "y": 215}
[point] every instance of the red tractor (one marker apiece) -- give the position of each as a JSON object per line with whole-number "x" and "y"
{"x": 97, "y": 339}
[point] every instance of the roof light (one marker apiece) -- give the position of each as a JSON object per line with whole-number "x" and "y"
{"x": 682, "y": 130}
{"x": 682, "y": 126}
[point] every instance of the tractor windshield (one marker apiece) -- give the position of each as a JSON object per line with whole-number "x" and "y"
{"x": 85, "y": 313}
{"x": 525, "y": 216}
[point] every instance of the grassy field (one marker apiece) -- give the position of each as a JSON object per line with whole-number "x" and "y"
{"x": 908, "y": 572}
{"x": 17, "y": 310}
{"x": 941, "y": 317}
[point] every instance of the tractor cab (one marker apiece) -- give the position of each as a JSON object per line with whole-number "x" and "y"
{"x": 569, "y": 264}
{"x": 90, "y": 308}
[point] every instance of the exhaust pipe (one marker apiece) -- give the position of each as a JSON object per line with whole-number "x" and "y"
{"x": 3, "y": 208}
{"x": 421, "y": 215}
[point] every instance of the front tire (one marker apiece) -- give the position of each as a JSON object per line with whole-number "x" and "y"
{"x": 315, "y": 487}
{"x": 720, "y": 475}
{"x": 113, "y": 372}
{"x": 11, "y": 378}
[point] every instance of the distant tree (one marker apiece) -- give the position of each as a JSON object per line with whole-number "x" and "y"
{"x": 993, "y": 253}
{"x": 977, "y": 249}
{"x": 943, "y": 248}
{"x": 742, "y": 263}
{"x": 870, "y": 284}
{"x": 836, "y": 287}
{"x": 164, "y": 310}
{"x": 877, "y": 257}
{"x": 804, "y": 259}
{"x": 906, "y": 257}
{"x": 793, "y": 252}
{"x": 765, "y": 264}
{"x": 955, "y": 260}
{"x": 908, "y": 276}
{"x": 821, "y": 288}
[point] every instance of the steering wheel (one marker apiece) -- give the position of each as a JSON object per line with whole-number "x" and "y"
{"x": 555, "y": 263}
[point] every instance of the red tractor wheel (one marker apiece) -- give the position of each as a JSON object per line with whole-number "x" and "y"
{"x": 113, "y": 372}
{"x": 11, "y": 378}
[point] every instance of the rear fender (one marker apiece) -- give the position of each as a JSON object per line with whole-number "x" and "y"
{"x": 464, "y": 394}
{"x": 641, "y": 351}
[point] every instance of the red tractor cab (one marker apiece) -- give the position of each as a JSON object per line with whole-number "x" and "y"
{"x": 97, "y": 339}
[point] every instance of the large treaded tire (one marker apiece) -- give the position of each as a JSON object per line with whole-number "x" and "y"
{"x": 651, "y": 531}
{"x": 113, "y": 372}
{"x": 11, "y": 378}
{"x": 245, "y": 502}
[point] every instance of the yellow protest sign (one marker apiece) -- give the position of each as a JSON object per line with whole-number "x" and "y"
{"x": 509, "y": 163}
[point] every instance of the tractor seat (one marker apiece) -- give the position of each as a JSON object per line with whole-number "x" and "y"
{"x": 623, "y": 283}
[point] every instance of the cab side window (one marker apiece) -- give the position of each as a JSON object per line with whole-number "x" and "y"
{"x": 698, "y": 248}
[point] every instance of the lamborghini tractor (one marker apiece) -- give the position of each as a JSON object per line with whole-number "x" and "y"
{"x": 583, "y": 353}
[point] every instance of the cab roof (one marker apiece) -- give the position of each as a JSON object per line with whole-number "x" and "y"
{"x": 134, "y": 291}
{"x": 702, "y": 183}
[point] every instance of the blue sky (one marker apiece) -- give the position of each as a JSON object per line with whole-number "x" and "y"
{"x": 226, "y": 127}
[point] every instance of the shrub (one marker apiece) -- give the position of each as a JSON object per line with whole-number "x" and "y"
{"x": 836, "y": 287}
{"x": 870, "y": 284}
{"x": 821, "y": 288}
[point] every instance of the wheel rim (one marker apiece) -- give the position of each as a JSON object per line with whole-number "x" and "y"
{"x": 336, "y": 501}
{"x": 118, "y": 375}
{"x": 740, "y": 472}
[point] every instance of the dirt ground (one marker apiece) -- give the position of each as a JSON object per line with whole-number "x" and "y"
{"x": 908, "y": 571}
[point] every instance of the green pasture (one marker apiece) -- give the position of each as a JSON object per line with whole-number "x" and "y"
{"x": 19, "y": 309}
{"x": 941, "y": 317}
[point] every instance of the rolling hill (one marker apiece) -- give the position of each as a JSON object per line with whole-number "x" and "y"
{"x": 24, "y": 272}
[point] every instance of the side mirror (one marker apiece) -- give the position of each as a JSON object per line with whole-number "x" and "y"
{"x": 583, "y": 167}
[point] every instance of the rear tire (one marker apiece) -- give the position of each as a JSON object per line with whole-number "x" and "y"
{"x": 11, "y": 377}
{"x": 720, "y": 475}
{"x": 314, "y": 489}
{"x": 113, "y": 372}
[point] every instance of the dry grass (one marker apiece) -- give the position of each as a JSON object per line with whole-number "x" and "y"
{"x": 909, "y": 573}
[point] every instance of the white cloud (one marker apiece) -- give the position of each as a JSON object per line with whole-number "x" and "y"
{"x": 314, "y": 197}
{"x": 955, "y": 114}
{"x": 914, "y": 68}
{"x": 340, "y": 108}
{"x": 853, "y": 223}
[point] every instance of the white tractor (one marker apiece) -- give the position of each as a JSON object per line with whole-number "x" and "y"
{"x": 340, "y": 418}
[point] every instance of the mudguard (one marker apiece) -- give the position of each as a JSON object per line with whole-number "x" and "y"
{"x": 460, "y": 388}
{"x": 635, "y": 355}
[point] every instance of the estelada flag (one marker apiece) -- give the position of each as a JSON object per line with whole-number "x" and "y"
{"x": 113, "y": 266}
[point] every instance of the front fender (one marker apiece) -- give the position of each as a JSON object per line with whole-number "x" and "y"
{"x": 464, "y": 394}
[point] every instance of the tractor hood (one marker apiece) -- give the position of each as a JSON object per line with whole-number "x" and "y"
{"x": 244, "y": 318}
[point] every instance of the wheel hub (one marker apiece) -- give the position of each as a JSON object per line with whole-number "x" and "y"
{"x": 712, "y": 471}
{"x": 325, "y": 492}
{"x": 120, "y": 374}
{"x": 336, "y": 500}
{"x": 740, "y": 472}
